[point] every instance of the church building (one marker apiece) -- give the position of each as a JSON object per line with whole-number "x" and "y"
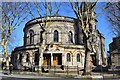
{"x": 56, "y": 41}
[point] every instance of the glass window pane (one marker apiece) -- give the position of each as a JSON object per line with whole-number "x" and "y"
{"x": 70, "y": 37}
{"x": 78, "y": 57}
{"x": 68, "y": 57}
{"x": 31, "y": 36}
{"x": 56, "y": 36}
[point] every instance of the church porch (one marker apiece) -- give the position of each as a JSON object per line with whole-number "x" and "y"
{"x": 52, "y": 59}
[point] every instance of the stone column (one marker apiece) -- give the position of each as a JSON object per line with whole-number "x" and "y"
{"x": 40, "y": 61}
{"x": 40, "y": 57}
{"x": 63, "y": 59}
{"x": 51, "y": 59}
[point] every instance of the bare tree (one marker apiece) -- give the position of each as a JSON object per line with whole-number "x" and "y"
{"x": 45, "y": 11}
{"x": 113, "y": 16}
{"x": 84, "y": 13}
{"x": 13, "y": 14}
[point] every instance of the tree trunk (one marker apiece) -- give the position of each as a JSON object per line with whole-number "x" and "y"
{"x": 6, "y": 57}
{"x": 5, "y": 51}
{"x": 4, "y": 44}
{"x": 87, "y": 70}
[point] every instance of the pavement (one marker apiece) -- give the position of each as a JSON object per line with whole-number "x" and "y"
{"x": 23, "y": 76}
{"x": 31, "y": 77}
{"x": 47, "y": 76}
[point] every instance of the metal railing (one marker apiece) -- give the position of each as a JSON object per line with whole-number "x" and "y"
{"x": 113, "y": 72}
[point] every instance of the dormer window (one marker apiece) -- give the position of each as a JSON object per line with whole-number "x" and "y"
{"x": 56, "y": 36}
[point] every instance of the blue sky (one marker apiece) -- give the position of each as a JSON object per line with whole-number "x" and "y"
{"x": 102, "y": 25}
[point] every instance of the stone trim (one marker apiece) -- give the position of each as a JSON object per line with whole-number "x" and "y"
{"x": 55, "y": 19}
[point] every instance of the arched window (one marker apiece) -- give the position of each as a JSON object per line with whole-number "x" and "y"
{"x": 27, "y": 39}
{"x": 78, "y": 57}
{"x": 36, "y": 59}
{"x": 31, "y": 36}
{"x": 20, "y": 58}
{"x": 68, "y": 57}
{"x": 27, "y": 57}
{"x": 70, "y": 37}
{"x": 56, "y": 36}
{"x": 41, "y": 38}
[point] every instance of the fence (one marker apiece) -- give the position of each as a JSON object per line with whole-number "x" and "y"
{"x": 113, "y": 72}
{"x": 59, "y": 69}
{"x": 107, "y": 72}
